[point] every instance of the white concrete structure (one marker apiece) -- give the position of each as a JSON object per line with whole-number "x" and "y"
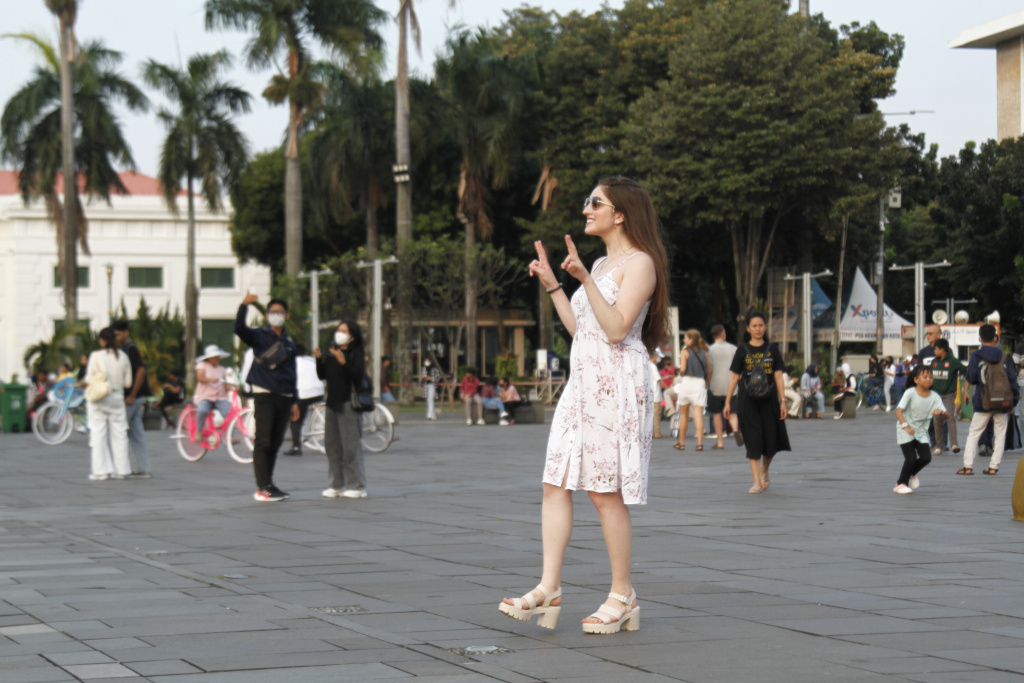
{"x": 142, "y": 241}
{"x": 1006, "y": 36}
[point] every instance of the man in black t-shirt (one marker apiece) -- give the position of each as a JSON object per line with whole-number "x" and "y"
{"x": 135, "y": 401}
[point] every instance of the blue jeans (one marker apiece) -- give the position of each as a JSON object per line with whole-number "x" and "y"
{"x": 137, "y": 437}
{"x": 496, "y": 404}
{"x": 203, "y": 408}
{"x": 387, "y": 397}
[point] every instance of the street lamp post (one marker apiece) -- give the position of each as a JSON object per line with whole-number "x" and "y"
{"x": 378, "y": 313}
{"x": 806, "y": 322}
{"x": 918, "y": 269}
{"x": 314, "y": 297}
{"x": 110, "y": 293}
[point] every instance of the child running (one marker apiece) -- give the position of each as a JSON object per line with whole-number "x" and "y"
{"x": 915, "y": 410}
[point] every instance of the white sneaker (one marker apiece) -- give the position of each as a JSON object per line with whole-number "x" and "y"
{"x": 99, "y": 477}
{"x": 331, "y": 493}
{"x": 354, "y": 493}
{"x": 888, "y": 409}
{"x": 877, "y": 407}
{"x": 504, "y": 416}
{"x": 914, "y": 483}
{"x": 936, "y": 451}
{"x": 469, "y": 422}
{"x": 838, "y": 416}
{"x": 481, "y": 421}
{"x": 503, "y": 422}
{"x": 902, "y": 488}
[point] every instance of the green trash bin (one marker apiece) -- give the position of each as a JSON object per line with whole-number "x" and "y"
{"x": 14, "y": 407}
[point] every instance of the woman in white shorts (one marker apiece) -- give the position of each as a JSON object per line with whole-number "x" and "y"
{"x": 692, "y": 387}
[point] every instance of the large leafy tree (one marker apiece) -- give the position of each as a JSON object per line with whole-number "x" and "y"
{"x": 203, "y": 144}
{"x": 66, "y": 12}
{"x": 290, "y": 28}
{"x": 735, "y": 148}
{"x": 31, "y": 137}
{"x": 485, "y": 93}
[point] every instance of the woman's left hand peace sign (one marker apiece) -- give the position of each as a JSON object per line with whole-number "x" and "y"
{"x": 572, "y": 263}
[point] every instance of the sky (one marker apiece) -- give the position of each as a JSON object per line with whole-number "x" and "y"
{"x": 958, "y": 85}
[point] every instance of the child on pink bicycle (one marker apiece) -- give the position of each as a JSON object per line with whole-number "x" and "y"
{"x": 211, "y": 391}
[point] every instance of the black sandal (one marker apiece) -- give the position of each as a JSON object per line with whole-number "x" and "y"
{"x": 965, "y": 470}
{"x": 987, "y": 470}
{"x": 678, "y": 446}
{"x": 700, "y": 447}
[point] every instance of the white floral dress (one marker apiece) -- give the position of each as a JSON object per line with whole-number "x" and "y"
{"x": 603, "y": 425}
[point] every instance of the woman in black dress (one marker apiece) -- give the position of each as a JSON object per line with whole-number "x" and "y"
{"x": 760, "y": 404}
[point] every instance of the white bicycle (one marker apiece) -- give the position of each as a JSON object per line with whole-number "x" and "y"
{"x": 378, "y": 428}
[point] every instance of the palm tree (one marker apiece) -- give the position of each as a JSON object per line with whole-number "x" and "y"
{"x": 66, "y": 12}
{"x": 31, "y": 138}
{"x": 350, "y": 145}
{"x": 406, "y": 18}
{"x": 485, "y": 94}
{"x": 202, "y": 143}
{"x": 347, "y": 27}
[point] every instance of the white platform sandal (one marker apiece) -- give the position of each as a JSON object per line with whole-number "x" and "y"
{"x": 526, "y": 607}
{"x": 628, "y": 619}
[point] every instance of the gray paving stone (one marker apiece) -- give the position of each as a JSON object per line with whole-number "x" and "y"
{"x": 162, "y": 667}
{"x": 94, "y": 671}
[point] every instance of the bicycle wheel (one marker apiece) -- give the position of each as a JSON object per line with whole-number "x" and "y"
{"x": 189, "y": 450}
{"x": 242, "y": 436}
{"x": 378, "y": 429}
{"x": 52, "y": 424}
{"x": 313, "y": 429}
{"x": 876, "y": 397}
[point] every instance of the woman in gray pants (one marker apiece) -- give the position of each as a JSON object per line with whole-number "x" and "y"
{"x": 343, "y": 366}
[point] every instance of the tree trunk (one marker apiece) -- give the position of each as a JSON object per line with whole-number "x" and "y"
{"x": 404, "y": 215}
{"x": 472, "y": 287}
{"x": 68, "y": 255}
{"x": 191, "y": 292}
{"x": 750, "y": 259}
{"x": 293, "y": 196}
{"x": 371, "y": 254}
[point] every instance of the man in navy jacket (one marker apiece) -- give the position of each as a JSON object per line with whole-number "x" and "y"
{"x": 992, "y": 353}
{"x": 276, "y": 393}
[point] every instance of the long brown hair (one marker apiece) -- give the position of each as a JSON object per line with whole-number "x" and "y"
{"x": 643, "y": 230}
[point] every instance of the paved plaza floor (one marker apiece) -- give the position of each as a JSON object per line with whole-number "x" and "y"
{"x": 827, "y": 576}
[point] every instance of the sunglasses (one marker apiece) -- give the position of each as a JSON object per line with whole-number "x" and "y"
{"x": 595, "y": 202}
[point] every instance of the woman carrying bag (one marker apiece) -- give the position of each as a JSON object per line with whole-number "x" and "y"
{"x": 343, "y": 367}
{"x": 109, "y": 372}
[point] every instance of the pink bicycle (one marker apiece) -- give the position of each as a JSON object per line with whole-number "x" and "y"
{"x": 238, "y": 429}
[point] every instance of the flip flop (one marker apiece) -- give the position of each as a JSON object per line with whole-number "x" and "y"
{"x": 965, "y": 470}
{"x": 989, "y": 470}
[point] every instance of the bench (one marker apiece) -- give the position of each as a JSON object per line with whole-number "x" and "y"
{"x": 849, "y": 406}
{"x": 527, "y": 414}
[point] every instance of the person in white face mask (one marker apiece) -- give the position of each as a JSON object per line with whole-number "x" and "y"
{"x": 343, "y": 367}
{"x": 273, "y": 379}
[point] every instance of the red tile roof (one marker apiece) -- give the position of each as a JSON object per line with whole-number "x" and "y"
{"x": 136, "y": 183}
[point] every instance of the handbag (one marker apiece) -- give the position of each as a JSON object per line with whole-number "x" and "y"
{"x": 361, "y": 396}
{"x": 273, "y": 356}
{"x": 98, "y": 388}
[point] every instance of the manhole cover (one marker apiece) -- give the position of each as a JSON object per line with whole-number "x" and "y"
{"x": 476, "y": 650}
{"x": 345, "y": 609}
{"x": 236, "y": 576}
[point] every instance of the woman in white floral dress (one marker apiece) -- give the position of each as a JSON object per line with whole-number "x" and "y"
{"x": 601, "y": 433}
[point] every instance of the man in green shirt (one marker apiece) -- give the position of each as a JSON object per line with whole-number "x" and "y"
{"x": 946, "y": 369}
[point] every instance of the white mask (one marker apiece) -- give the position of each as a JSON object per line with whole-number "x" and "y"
{"x": 341, "y": 338}
{"x": 275, "y": 319}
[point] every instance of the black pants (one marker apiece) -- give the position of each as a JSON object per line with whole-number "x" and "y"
{"x": 271, "y": 413}
{"x": 510, "y": 408}
{"x": 916, "y": 457}
{"x": 296, "y": 427}
{"x": 167, "y": 400}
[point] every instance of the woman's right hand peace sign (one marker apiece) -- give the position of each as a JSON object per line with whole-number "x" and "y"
{"x": 541, "y": 268}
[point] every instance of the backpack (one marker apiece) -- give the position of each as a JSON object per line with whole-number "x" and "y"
{"x": 996, "y": 394}
{"x": 756, "y": 381}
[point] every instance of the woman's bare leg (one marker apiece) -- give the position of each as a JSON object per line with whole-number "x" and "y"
{"x": 618, "y": 537}
{"x": 684, "y": 422}
{"x": 698, "y": 423}
{"x": 556, "y": 529}
{"x": 755, "y": 471}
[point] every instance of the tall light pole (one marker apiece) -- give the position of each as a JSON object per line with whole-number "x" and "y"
{"x": 378, "y": 313}
{"x": 314, "y": 298}
{"x": 806, "y": 321}
{"x": 880, "y": 279}
{"x": 918, "y": 269}
{"x": 110, "y": 293}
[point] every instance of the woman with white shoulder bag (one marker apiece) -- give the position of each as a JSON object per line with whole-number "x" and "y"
{"x": 109, "y": 372}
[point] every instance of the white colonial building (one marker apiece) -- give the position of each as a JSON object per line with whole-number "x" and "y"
{"x": 139, "y": 243}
